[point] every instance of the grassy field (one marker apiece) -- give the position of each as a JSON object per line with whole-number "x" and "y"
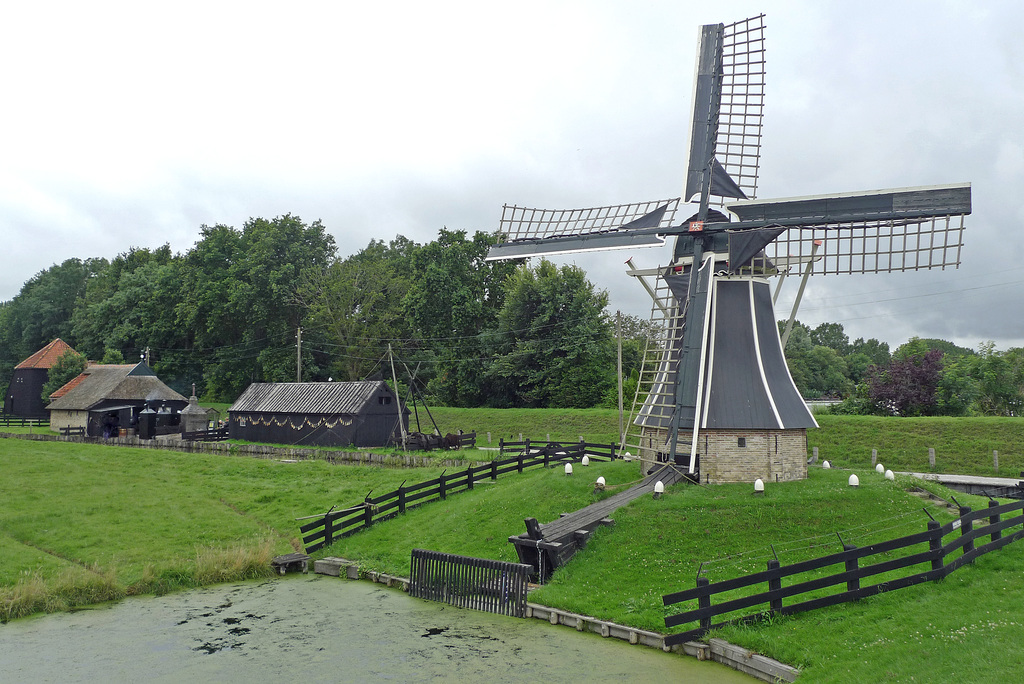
{"x": 84, "y": 523}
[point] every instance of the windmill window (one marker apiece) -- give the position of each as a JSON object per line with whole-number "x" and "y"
{"x": 741, "y": 441}
{"x": 383, "y": 400}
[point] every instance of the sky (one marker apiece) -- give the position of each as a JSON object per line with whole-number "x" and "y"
{"x": 130, "y": 124}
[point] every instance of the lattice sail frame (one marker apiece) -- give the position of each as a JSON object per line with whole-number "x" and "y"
{"x": 741, "y": 115}
{"x": 525, "y": 223}
{"x": 876, "y": 246}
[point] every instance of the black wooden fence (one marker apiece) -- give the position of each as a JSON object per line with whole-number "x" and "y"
{"x": 210, "y": 435}
{"x": 19, "y": 421}
{"x": 479, "y": 583}
{"x": 72, "y": 431}
{"x": 335, "y": 524}
{"x": 933, "y": 552}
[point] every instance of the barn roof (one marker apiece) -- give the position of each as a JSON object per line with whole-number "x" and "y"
{"x": 308, "y": 397}
{"x": 97, "y": 383}
{"x": 47, "y": 356}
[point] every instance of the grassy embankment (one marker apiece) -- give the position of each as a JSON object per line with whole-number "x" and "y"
{"x": 84, "y": 523}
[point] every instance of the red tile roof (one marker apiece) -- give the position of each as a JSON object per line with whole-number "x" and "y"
{"x": 70, "y": 385}
{"x": 47, "y": 356}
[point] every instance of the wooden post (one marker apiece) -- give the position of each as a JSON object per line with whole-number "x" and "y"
{"x": 488, "y": 436}
{"x": 494, "y": 470}
{"x": 520, "y": 464}
{"x": 367, "y": 513}
{"x": 440, "y": 490}
{"x": 931, "y": 457}
{"x": 328, "y": 530}
{"x": 704, "y": 603}
{"x": 852, "y": 565}
{"x": 401, "y": 498}
{"x": 965, "y": 528}
{"x": 774, "y": 584}
{"x": 814, "y": 451}
{"x": 994, "y": 520}
{"x": 935, "y": 544}
{"x": 874, "y": 457}
{"x": 995, "y": 460}
{"x": 469, "y": 477}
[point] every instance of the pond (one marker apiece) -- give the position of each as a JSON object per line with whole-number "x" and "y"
{"x": 317, "y": 628}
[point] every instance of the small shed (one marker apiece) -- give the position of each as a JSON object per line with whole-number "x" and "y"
{"x": 106, "y": 398}
{"x": 24, "y": 396}
{"x": 362, "y": 414}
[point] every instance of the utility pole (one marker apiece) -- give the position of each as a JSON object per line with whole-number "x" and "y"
{"x": 298, "y": 356}
{"x": 145, "y": 356}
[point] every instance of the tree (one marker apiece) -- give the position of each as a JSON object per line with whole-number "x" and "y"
{"x": 554, "y": 345}
{"x": 66, "y": 368}
{"x": 831, "y": 335}
{"x": 240, "y": 302}
{"x": 454, "y": 299}
{"x": 357, "y": 305}
{"x": 907, "y": 386}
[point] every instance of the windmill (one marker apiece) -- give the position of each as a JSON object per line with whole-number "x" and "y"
{"x": 718, "y": 398}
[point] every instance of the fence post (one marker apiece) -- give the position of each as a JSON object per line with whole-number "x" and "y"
{"x": 774, "y": 585}
{"x": 874, "y": 457}
{"x": 440, "y": 490}
{"x": 935, "y": 544}
{"x": 704, "y": 604}
{"x": 547, "y": 456}
{"x": 931, "y": 457}
{"x": 852, "y": 565}
{"x": 469, "y": 477}
{"x": 494, "y": 470}
{"x": 995, "y": 460}
{"x": 367, "y": 513}
{"x": 994, "y": 520}
{"x": 965, "y": 528}
{"x": 401, "y": 498}
{"x": 501, "y": 447}
{"x": 328, "y": 529}
{"x": 520, "y": 464}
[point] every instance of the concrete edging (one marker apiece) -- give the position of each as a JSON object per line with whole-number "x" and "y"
{"x": 718, "y": 650}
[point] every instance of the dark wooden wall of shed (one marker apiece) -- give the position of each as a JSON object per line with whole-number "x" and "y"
{"x": 364, "y": 431}
{"x": 24, "y": 395}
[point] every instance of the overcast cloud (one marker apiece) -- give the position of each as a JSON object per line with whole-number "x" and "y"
{"x": 133, "y": 124}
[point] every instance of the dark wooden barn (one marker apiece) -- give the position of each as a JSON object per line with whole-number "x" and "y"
{"x": 362, "y": 414}
{"x": 107, "y": 398}
{"x": 24, "y": 396}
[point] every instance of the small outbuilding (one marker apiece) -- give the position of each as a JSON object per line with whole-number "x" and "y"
{"x": 362, "y": 414}
{"x": 24, "y": 396}
{"x": 107, "y": 398}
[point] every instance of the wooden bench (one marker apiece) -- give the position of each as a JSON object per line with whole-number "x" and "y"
{"x": 291, "y": 562}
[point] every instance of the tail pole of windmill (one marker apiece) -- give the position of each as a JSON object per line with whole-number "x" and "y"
{"x": 715, "y": 395}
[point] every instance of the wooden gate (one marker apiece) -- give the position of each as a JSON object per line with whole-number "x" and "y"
{"x": 488, "y": 585}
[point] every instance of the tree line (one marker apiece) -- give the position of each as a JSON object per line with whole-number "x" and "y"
{"x": 228, "y": 312}
{"x": 460, "y": 330}
{"x": 922, "y": 377}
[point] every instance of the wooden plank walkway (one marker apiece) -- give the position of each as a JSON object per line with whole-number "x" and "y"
{"x": 551, "y": 545}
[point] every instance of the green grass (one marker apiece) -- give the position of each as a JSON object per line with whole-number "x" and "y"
{"x": 153, "y": 521}
{"x": 83, "y": 523}
{"x": 962, "y": 445}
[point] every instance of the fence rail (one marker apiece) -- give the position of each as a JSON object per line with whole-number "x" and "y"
{"x": 20, "y": 421}
{"x": 479, "y": 583}
{"x": 933, "y": 552}
{"x": 211, "y": 435}
{"x": 72, "y": 431}
{"x": 335, "y": 524}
